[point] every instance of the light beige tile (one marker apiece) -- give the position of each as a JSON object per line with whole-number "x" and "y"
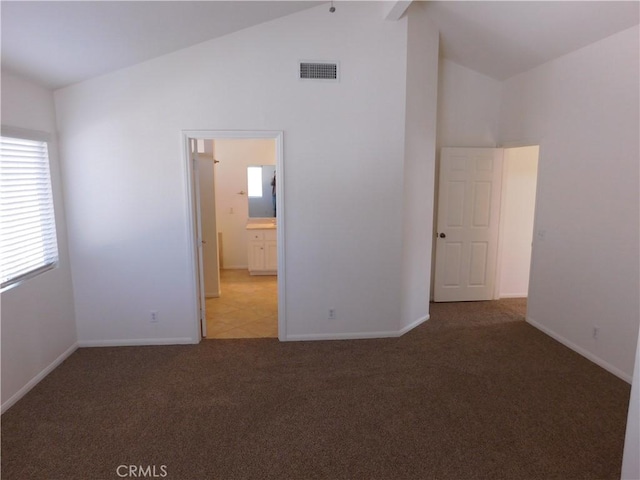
{"x": 219, "y": 307}
{"x": 214, "y": 330}
{"x": 262, "y": 329}
{"x": 247, "y": 307}
{"x": 237, "y": 332}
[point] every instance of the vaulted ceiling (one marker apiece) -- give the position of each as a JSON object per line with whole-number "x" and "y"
{"x": 60, "y": 43}
{"x": 504, "y": 38}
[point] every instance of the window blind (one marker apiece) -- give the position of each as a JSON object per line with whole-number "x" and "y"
{"x": 28, "y": 244}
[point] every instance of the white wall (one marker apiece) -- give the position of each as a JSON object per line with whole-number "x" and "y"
{"x": 231, "y": 177}
{"x": 582, "y": 109}
{"x": 419, "y": 165}
{"x": 124, "y": 168}
{"x": 468, "y": 107}
{"x": 38, "y": 325}
{"x": 520, "y": 175}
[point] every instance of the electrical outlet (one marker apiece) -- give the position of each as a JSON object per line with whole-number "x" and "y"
{"x": 596, "y": 332}
{"x": 332, "y": 314}
{"x": 154, "y": 316}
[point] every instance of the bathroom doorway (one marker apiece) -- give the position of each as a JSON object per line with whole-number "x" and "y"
{"x": 239, "y": 296}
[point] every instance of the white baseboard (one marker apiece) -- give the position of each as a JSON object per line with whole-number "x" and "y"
{"x": 413, "y": 325}
{"x": 136, "y": 342}
{"x": 514, "y": 295}
{"x": 355, "y": 335}
{"x": 236, "y": 267}
{"x": 340, "y": 336}
{"x": 585, "y": 353}
{"x": 212, "y": 295}
{"x": 38, "y": 378}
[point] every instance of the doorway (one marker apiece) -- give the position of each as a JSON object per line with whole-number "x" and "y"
{"x": 517, "y": 212}
{"x": 231, "y": 302}
{"x": 485, "y": 215}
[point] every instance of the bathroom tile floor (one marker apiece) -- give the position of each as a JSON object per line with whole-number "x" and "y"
{"x": 247, "y": 306}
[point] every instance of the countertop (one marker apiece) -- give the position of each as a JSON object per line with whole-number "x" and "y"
{"x": 261, "y": 226}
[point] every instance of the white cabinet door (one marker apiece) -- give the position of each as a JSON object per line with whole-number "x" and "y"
{"x": 263, "y": 252}
{"x": 271, "y": 255}
{"x": 256, "y": 255}
{"x": 467, "y": 224}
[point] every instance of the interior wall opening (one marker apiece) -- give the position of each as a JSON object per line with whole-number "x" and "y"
{"x": 245, "y": 304}
{"x": 237, "y": 237}
{"x": 484, "y": 223}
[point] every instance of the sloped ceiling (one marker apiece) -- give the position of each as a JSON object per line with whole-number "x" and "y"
{"x": 60, "y": 43}
{"x": 502, "y": 39}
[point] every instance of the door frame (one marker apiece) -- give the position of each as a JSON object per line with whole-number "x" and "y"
{"x": 196, "y": 212}
{"x": 209, "y": 243}
{"x": 536, "y": 235}
{"x": 487, "y": 293}
{"x": 498, "y": 279}
{"x": 194, "y": 265}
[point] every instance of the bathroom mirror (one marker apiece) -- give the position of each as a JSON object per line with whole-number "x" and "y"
{"x": 261, "y": 191}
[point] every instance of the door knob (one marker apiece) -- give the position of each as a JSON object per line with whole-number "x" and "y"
{"x": 443, "y": 235}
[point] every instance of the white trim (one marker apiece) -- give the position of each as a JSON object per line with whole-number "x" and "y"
{"x": 536, "y": 209}
{"x": 341, "y": 336}
{"x": 38, "y": 378}
{"x": 356, "y": 335}
{"x": 190, "y": 226}
{"x": 28, "y": 134}
{"x": 278, "y": 137}
{"x": 585, "y": 353}
{"x": 501, "y": 226}
{"x": 232, "y": 134}
{"x": 280, "y": 229}
{"x": 413, "y": 325}
{"x": 513, "y": 295}
{"x": 520, "y": 143}
{"x": 138, "y": 342}
{"x": 397, "y": 9}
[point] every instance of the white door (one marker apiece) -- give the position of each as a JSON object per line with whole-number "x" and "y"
{"x": 467, "y": 224}
{"x": 206, "y": 172}
{"x": 198, "y": 237}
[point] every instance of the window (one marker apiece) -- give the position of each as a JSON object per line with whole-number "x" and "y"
{"x": 254, "y": 179}
{"x": 28, "y": 244}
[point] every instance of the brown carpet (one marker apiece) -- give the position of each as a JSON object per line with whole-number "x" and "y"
{"x": 474, "y": 393}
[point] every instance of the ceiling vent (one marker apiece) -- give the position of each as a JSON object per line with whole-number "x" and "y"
{"x": 319, "y": 71}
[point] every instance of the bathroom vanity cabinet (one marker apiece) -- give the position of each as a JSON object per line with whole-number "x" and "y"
{"x": 263, "y": 250}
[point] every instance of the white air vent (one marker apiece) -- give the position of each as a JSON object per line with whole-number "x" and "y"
{"x": 319, "y": 71}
